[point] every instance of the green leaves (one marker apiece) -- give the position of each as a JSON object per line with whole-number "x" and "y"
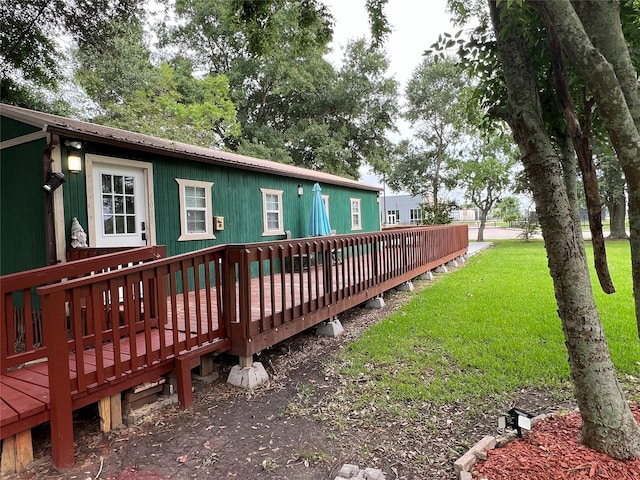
{"x": 437, "y": 96}
{"x": 173, "y": 104}
{"x": 31, "y": 53}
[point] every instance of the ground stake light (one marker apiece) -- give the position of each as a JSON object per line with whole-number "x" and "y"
{"x": 516, "y": 419}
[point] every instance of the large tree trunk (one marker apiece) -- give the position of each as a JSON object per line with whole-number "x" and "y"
{"x": 617, "y": 217}
{"x": 608, "y": 425}
{"x": 581, "y": 144}
{"x": 606, "y": 67}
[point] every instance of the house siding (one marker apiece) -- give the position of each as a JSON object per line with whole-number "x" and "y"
{"x": 10, "y": 128}
{"x": 236, "y": 196}
{"x": 22, "y": 203}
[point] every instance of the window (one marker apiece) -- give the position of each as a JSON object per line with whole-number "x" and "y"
{"x": 416, "y": 216}
{"x": 196, "y": 217}
{"x": 356, "y": 220}
{"x": 393, "y": 217}
{"x": 272, "y": 212}
{"x": 118, "y": 204}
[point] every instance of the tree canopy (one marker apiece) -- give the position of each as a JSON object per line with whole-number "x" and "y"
{"x": 437, "y": 96}
{"x": 31, "y": 42}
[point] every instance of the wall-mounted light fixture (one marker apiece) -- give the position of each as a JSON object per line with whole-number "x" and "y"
{"x": 300, "y": 190}
{"x": 54, "y": 180}
{"x": 378, "y": 195}
{"x": 74, "y": 159}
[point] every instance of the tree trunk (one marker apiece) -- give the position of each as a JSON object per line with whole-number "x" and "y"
{"x": 483, "y": 224}
{"x": 570, "y": 174}
{"x": 612, "y": 78}
{"x": 580, "y": 139}
{"x": 617, "y": 217}
{"x": 608, "y": 424}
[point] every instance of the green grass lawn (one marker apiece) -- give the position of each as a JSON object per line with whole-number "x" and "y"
{"x": 485, "y": 330}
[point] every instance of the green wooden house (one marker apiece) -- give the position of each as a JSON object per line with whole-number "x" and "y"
{"x": 126, "y": 189}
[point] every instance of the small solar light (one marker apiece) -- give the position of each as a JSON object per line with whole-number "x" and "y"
{"x": 54, "y": 180}
{"x": 516, "y": 419}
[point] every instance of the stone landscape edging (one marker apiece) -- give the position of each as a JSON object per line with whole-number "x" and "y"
{"x": 463, "y": 465}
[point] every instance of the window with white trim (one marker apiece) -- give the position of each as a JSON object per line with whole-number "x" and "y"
{"x": 416, "y": 216}
{"x": 196, "y": 213}
{"x": 272, "y": 218}
{"x": 356, "y": 218}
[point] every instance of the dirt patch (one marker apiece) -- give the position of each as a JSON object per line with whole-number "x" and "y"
{"x": 287, "y": 430}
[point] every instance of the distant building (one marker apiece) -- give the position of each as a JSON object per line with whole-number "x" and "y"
{"x": 405, "y": 210}
{"x": 402, "y": 210}
{"x": 464, "y": 215}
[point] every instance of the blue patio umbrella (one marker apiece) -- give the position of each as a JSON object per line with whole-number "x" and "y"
{"x": 319, "y": 222}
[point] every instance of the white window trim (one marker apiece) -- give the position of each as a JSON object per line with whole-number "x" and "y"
{"x": 184, "y": 234}
{"x": 359, "y": 202}
{"x": 266, "y": 232}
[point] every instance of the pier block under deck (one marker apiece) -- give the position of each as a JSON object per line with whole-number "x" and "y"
{"x": 17, "y": 453}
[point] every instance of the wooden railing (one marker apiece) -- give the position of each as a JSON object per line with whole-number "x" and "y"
{"x": 104, "y": 314}
{"x": 75, "y": 254}
{"x": 301, "y": 282}
{"x": 126, "y": 327}
{"x": 270, "y": 292}
{"x": 21, "y": 339}
{"x": 108, "y": 331}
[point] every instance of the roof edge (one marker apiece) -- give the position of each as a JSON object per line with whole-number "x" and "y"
{"x": 117, "y": 137}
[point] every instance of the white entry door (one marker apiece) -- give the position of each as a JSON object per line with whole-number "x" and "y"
{"x": 120, "y": 206}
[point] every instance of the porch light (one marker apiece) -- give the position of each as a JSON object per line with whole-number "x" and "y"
{"x": 74, "y": 159}
{"x": 516, "y": 418}
{"x": 300, "y": 190}
{"x": 74, "y": 162}
{"x": 54, "y": 180}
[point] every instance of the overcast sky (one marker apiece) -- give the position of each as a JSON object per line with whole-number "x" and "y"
{"x": 416, "y": 25}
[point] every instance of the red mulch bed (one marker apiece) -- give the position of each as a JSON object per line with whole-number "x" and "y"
{"x": 552, "y": 450}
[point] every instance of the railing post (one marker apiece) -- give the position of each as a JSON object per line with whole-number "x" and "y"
{"x": 228, "y": 293}
{"x": 61, "y": 416}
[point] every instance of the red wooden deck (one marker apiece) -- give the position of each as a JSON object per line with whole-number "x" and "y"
{"x": 25, "y": 400}
{"x": 91, "y": 354}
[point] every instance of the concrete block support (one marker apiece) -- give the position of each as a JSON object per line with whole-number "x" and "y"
{"x": 405, "y": 287}
{"x": 442, "y": 269}
{"x": 248, "y": 377}
{"x": 427, "y": 276}
{"x": 375, "y": 303}
{"x": 330, "y": 328}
